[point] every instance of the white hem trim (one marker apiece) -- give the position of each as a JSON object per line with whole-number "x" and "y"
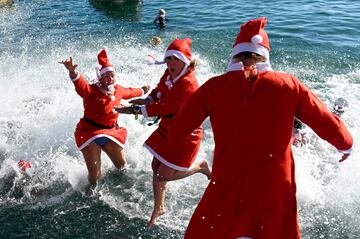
{"x": 99, "y": 136}
{"x": 164, "y": 161}
{"x": 177, "y": 54}
{"x": 249, "y": 47}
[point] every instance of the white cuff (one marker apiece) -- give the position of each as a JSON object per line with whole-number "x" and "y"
{"x": 151, "y": 100}
{"x": 143, "y": 111}
{"x": 76, "y": 78}
{"x": 348, "y": 151}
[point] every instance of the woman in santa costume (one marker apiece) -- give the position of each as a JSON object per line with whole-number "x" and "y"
{"x": 172, "y": 159}
{"x": 98, "y": 129}
{"x": 252, "y": 192}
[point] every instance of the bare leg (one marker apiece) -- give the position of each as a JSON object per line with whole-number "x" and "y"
{"x": 92, "y": 154}
{"x": 170, "y": 174}
{"x": 161, "y": 175}
{"x": 159, "y": 189}
{"x": 116, "y": 154}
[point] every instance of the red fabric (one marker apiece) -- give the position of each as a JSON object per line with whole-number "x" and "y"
{"x": 252, "y": 28}
{"x": 182, "y": 152}
{"x": 183, "y": 46}
{"x": 103, "y": 59}
{"x": 98, "y": 107}
{"x": 252, "y": 191}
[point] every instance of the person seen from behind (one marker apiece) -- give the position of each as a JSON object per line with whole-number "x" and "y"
{"x": 252, "y": 192}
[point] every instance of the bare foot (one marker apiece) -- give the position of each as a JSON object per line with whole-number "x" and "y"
{"x": 154, "y": 216}
{"x": 123, "y": 168}
{"x": 205, "y": 169}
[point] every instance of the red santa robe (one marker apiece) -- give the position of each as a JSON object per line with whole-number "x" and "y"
{"x": 252, "y": 191}
{"x": 101, "y": 119}
{"x": 167, "y": 98}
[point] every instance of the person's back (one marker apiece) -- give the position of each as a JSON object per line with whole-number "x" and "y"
{"x": 252, "y": 192}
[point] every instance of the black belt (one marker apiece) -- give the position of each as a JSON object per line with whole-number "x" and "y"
{"x": 97, "y": 125}
{"x": 169, "y": 116}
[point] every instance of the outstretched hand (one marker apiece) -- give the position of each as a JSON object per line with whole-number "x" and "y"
{"x": 145, "y": 88}
{"x": 344, "y": 157}
{"x": 68, "y": 63}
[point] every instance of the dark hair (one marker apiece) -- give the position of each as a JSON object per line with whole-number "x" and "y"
{"x": 248, "y": 55}
{"x": 193, "y": 63}
{"x": 298, "y": 124}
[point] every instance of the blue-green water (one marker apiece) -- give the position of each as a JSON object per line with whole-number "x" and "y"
{"x": 317, "y": 40}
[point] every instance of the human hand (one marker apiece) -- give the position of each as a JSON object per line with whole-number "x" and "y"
{"x": 145, "y": 88}
{"x": 69, "y": 65}
{"x": 344, "y": 157}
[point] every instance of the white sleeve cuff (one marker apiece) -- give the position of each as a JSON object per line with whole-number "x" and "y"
{"x": 348, "y": 151}
{"x": 151, "y": 100}
{"x": 76, "y": 78}
{"x": 143, "y": 111}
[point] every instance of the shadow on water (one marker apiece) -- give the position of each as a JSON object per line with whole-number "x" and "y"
{"x": 123, "y": 9}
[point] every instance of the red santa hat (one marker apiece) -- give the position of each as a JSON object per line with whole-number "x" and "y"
{"x": 180, "y": 48}
{"x": 104, "y": 62}
{"x": 253, "y": 38}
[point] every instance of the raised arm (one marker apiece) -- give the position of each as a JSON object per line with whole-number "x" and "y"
{"x": 81, "y": 86}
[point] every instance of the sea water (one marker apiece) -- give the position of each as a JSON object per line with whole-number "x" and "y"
{"x": 317, "y": 41}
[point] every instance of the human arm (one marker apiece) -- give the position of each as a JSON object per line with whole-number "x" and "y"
{"x": 71, "y": 67}
{"x": 191, "y": 114}
{"x": 81, "y": 86}
{"x": 326, "y": 125}
{"x": 128, "y": 93}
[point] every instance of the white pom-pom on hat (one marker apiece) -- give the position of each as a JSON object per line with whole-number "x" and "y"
{"x": 257, "y": 39}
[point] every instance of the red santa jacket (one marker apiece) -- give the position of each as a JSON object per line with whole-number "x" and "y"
{"x": 252, "y": 191}
{"x": 167, "y": 99}
{"x": 99, "y": 109}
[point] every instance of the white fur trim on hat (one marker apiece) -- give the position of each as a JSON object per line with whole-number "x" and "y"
{"x": 249, "y": 47}
{"x": 106, "y": 69}
{"x": 177, "y": 54}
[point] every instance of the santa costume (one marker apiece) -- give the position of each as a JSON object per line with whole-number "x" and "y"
{"x": 252, "y": 192}
{"x": 100, "y": 118}
{"x": 166, "y": 100}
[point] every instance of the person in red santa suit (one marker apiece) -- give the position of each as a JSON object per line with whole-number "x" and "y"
{"x": 172, "y": 160}
{"x": 252, "y": 192}
{"x": 98, "y": 129}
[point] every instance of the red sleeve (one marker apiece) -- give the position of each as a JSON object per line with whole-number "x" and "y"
{"x": 191, "y": 114}
{"x": 82, "y": 87}
{"x": 154, "y": 92}
{"x": 128, "y": 93}
{"x": 319, "y": 118}
{"x": 173, "y": 100}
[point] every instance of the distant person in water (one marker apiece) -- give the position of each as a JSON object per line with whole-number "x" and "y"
{"x": 172, "y": 160}
{"x": 98, "y": 128}
{"x": 252, "y": 192}
{"x": 340, "y": 105}
{"x": 160, "y": 19}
